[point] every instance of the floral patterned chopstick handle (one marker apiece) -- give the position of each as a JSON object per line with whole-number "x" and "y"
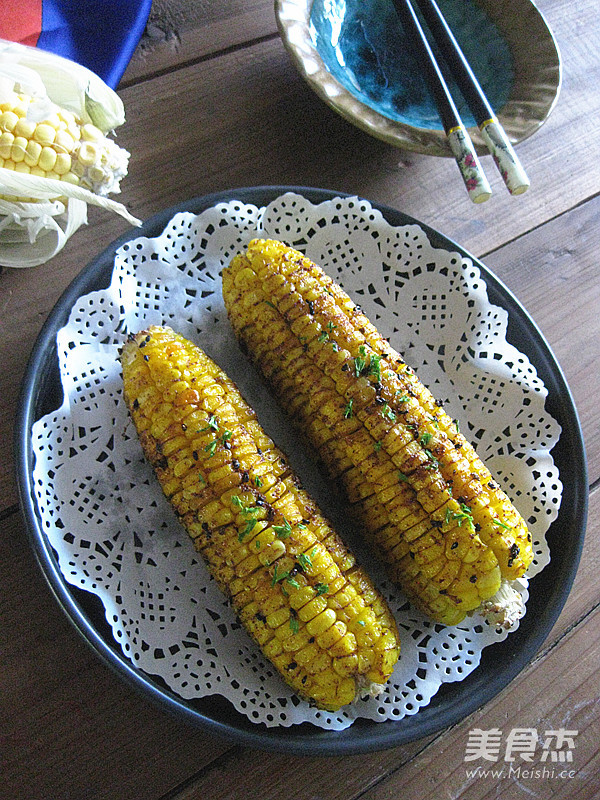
{"x": 468, "y": 163}
{"x": 505, "y": 158}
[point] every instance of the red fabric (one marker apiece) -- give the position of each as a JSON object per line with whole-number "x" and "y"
{"x": 21, "y": 21}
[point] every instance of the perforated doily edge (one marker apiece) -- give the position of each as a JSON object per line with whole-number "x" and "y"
{"x": 64, "y": 410}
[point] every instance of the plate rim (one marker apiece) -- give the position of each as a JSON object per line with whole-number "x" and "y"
{"x": 453, "y": 702}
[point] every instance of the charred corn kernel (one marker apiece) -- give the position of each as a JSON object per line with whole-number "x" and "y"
{"x": 24, "y": 128}
{"x": 429, "y": 506}
{"x": 62, "y": 146}
{"x": 271, "y": 551}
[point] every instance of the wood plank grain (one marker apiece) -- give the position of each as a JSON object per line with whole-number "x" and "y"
{"x": 69, "y": 727}
{"x": 542, "y": 268}
{"x": 182, "y": 31}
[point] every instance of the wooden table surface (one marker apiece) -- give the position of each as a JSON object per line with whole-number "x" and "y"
{"x": 213, "y": 102}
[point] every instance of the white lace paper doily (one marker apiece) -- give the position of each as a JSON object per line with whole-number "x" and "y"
{"x": 116, "y": 536}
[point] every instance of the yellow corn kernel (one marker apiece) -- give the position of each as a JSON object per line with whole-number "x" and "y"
{"x": 377, "y": 429}
{"x": 64, "y": 142}
{"x": 47, "y": 158}
{"x": 6, "y": 141}
{"x": 274, "y": 558}
{"x": 63, "y": 163}
{"x": 90, "y": 133}
{"x": 321, "y": 622}
{"x": 87, "y": 153}
{"x": 71, "y": 178}
{"x": 8, "y": 120}
{"x": 44, "y": 134}
{"x": 24, "y": 128}
{"x": 32, "y": 153}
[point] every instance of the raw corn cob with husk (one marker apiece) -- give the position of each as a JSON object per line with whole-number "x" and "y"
{"x": 56, "y": 154}
{"x": 294, "y": 585}
{"x": 449, "y": 535}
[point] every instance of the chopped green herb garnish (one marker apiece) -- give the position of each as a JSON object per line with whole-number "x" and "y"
{"x": 433, "y": 462}
{"x": 456, "y": 424}
{"x": 377, "y": 446}
{"x": 348, "y": 409}
{"x": 211, "y": 448}
{"x": 276, "y": 577}
{"x": 249, "y": 525}
{"x": 402, "y": 476}
{"x": 293, "y": 582}
{"x": 247, "y": 511}
{"x": 323, "y": 336}
{"x": 387, "y": 412}
{"x": 258, "y": 482}
{"x": 283, "y": 531}
{"x": 294, "y": 624}
{"x": 321, "y": 588}
{"x": 464, "y": 515}
{"x": 501, "y": 524}
{"x": 331, "y": 326}
{"x": 375, "y": 366}
{"x": 212, "y": 425}
{"x": 425, "y": 439}
{"x": 360, "y": 361}
{"x": 305, "y": 561}
{"x": 335, "y": 347}
{"x": 269, "y": 303}
{"x": 361, "y": 622}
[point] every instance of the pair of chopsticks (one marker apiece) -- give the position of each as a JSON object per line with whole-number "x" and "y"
{"x": 492, "y": 132}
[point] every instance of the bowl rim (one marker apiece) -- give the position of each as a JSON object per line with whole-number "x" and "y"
{"x": 528, "y": 107}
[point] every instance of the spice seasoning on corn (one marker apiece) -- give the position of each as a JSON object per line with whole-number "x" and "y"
{"x": 293, "y": 583}
{"x": 450, "y": 536}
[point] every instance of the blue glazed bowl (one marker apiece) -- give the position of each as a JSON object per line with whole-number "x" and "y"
{"x": 356, "y": 57}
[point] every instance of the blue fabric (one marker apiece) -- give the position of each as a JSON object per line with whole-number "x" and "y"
{"x": 99, "y": 34}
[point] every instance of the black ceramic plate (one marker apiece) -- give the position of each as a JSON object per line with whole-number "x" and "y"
{"x": 500, "y": 663}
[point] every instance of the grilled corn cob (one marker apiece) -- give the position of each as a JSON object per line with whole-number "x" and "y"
{"x": 58, "y": 146}
{"x": 294, "y": 585}
{"x": 430, "y": 508}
